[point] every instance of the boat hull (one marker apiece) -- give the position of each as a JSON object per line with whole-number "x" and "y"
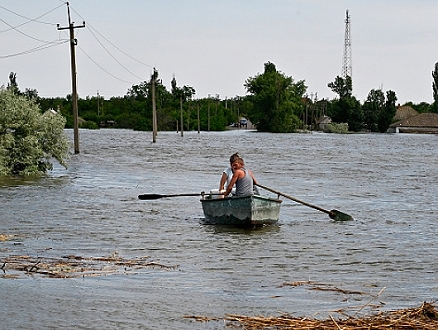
{"x": 244, "y": 211}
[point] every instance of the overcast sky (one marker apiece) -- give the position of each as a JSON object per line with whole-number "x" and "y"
{"x": 214, "y": 46}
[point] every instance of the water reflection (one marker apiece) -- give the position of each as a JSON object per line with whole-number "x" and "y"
{"x": 229, "y": 230}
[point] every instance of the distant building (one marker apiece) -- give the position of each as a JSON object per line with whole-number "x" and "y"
{"x": 322, "y": 122}
{"x": 51, "y": 111}
{"x": 420, "y": 123}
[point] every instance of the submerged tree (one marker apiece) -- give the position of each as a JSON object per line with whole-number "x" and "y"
{"x": 347, "y": 108}
{"x": 435, "y": 88}
{"x": 378, "y": 111}
{"x": 29, "y": 140}
{"x": 388, "y": 112}
{"x": 277, "y": 101}
{"x": 372, "y": 109}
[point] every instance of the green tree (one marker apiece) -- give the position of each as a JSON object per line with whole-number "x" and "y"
{"x": 13, "y": 85}
{"x": 372, "y": 108}
{"x": 31, "y": 93}
{"x": 29, "y": 140}
{"x": 342, "y": 87}
{"x": 138, "y": 108}
{"x": 387, "y": 112}
{"x": 277, "y": 101}
{"x": 345, "y": 109}
{"x": 182, "y": 95}
{"x": 421, "y": 107}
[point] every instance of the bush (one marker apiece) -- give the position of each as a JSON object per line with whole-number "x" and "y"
{"x": 29, "y": 140}
{"x": 341, "y": 128}
{"x": 89, "y": 125}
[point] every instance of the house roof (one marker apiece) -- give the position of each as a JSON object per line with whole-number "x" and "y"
{"x": 404, "y": 112}
{"x": 427, "y": 119}
{"x": 324, "y": 120}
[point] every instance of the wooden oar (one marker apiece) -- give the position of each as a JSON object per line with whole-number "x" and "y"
{"x": 158, "y": 196}
{"x": 334, "y": 214}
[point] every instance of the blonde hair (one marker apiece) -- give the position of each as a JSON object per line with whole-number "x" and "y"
{"x": 239, "y": 160}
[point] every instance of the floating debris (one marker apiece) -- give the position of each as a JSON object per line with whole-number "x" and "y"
{"x": 74, "y": 266}
{"x": 321, "y": 287}
{"x": 5, "y": 237}
{"x": 200, "y": 318}
{"x": 424, "y": 317}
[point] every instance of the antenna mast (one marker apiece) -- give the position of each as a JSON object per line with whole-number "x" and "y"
{"x": 346, "y": 61}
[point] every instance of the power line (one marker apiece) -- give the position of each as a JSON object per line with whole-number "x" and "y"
{"x": 36, "y": 19}
{"x": 101, "y": 67}
{"x": 25, "y": 34}
{"x": 36, "y": 49}
{"x": 114, "y": 57}
{"x": 48, "y": 44}
{"x": 106, "y": 71}
{"x": 120, "y": 50}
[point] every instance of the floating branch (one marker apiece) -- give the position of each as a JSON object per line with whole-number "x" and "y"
{"x": 321, "y": 287}
{"x": 75, "y": 266}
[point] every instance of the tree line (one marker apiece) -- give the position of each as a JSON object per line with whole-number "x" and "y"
{"x": 274, "y": 102}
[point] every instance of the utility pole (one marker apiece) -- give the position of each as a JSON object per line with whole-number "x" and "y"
{"x": 208, "y": 113}
{"x": 347, "y": 67}
{"x": 154, "y": 108}
{"x": 73, "y": 43}
{"x": 181, "y": 111}
{"x": 188, "y": 115}
{"x": 199, "y": 123}
{"x": 98, "y": 106}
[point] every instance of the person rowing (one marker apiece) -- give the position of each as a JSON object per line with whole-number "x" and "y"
{"x": 243, "y": 179}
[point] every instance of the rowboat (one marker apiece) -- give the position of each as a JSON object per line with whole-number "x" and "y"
{"x": 244, "y": 211}
{"x": 254, "y": 210}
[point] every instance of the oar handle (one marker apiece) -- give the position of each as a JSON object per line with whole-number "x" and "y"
{"x": 158, "y": 196}
{"x": 294, "y": 199}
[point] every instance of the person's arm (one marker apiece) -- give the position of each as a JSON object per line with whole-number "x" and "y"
{"x": 236, "y": 175}
{"x": 224, "y": 178}
{"x": 253, "y": 178}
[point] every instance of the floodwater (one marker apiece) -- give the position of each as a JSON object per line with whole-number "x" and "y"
{"x": 387, "y": 182}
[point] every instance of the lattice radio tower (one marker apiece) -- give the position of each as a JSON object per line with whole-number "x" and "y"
{"x": 346, "y": 61}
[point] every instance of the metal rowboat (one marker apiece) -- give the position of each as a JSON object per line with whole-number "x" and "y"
{"x": 246, "y": 211}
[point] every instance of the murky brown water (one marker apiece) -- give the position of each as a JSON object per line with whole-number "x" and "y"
{"x": 387, "y": 182}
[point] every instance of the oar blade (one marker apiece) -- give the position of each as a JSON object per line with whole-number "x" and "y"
{"x": 340, "y": 216}
{"x": 150, "y": 196}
